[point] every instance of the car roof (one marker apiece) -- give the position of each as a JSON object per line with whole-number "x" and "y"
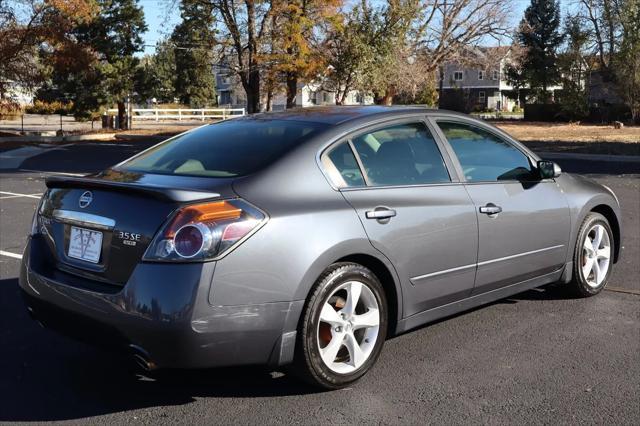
{"x": 334, "y": 115}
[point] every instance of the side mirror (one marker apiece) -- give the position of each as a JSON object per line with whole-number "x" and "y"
{"x": 548, "y": 169}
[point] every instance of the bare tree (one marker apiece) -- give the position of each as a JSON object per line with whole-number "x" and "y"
{"x": 244, "y": 25}
{"x": 602, "y": 17}
{"x": 447, "y": 28}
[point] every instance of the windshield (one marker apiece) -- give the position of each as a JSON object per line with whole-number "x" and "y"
{"x": 231, "y": 148}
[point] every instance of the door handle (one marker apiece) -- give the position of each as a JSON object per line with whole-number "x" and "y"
{"x": 380, "y": 214}
{"x": 490, "y": 209}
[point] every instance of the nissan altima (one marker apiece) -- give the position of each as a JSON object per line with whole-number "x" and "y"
{"x": 306, "y": 238}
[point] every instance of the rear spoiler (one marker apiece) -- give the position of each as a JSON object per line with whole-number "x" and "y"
{"x": 162, "y": 193}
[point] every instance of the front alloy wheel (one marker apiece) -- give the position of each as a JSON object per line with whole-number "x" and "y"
{"x": 596, "y": 255}
{"x": 343, "y": 328}
{"x": 593, "y": 258}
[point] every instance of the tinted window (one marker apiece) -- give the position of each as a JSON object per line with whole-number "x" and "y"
{"x": 404, "y": 154}
{"x": 484, "y": 156}
{"x": 342, "y": 167}
{"x": 231, "y": 148}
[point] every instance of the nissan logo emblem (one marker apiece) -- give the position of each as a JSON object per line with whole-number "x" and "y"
{"x": 85, "y": 199}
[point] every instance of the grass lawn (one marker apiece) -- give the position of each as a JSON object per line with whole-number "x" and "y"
{"x": 578, "y": 138}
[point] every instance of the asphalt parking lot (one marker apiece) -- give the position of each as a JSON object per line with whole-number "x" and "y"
{"x": 538, "y": 357}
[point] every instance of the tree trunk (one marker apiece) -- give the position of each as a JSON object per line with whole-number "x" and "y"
{"x": 292, "y": 89}
{"x": 268, "y": 106}
{"x": 343, "y": 98}
{"x": 252, "y": 89}
{"x": 387, "y": 99}
{"x": 440, "y": 85}
{"x": 122, "y": 123}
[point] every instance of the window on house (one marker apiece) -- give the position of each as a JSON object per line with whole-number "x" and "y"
{"x": 496, "y": 74}
{"x": 457, "y": 76}
{"x": 482, "y": 96}
{"x": 480, "y": 75}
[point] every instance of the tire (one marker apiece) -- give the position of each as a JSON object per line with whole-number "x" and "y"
{"x": 591, "y": 269}
{"x": 331, "y": 327}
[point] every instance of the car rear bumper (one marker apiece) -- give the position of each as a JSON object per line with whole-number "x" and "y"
{"x": 162, "y": 314}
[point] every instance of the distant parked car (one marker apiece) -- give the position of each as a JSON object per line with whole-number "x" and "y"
{"x": 308, "y": 237}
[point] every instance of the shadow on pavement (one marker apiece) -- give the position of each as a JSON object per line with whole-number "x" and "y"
{"x": 46, "y": 377}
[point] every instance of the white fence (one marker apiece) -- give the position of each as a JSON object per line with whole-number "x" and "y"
{"x": 180, "y": 114}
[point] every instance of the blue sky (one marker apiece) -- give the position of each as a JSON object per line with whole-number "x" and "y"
{"x": 163, "y": 15}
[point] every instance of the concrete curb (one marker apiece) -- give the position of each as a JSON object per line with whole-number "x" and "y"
{"x": 68, "y": 138}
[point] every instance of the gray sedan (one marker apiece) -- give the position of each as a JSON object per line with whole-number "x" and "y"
{"x": 305, "y": 239}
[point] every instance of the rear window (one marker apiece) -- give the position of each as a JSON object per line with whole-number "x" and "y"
{"x": 231, "y": 148}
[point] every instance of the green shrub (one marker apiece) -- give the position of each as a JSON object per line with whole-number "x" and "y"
{"x": 54, "y": 107}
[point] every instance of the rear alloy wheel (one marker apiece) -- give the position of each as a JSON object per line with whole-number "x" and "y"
{"x": 593, "y": 256}
{"x": 344, "y": 326}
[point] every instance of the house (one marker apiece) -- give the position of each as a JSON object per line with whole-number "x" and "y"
{"x": 230, "y": 93}
{"x": 478, "y": 82}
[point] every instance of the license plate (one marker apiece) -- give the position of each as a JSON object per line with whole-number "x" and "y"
{"x": 85, "y": 244}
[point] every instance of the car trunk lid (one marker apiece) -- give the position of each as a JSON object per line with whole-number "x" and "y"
{"x": 99, "y": 226}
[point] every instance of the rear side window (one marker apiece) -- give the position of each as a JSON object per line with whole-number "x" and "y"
{"x": 403, "y": 154}
{"x": 342, "y": 166}
{"x": 231, "y": 148}
{"x": 485, "y": 157}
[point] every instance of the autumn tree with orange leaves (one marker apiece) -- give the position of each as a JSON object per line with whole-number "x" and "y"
{"x": 297, "y": 33}
{"x": 31, "y": 27}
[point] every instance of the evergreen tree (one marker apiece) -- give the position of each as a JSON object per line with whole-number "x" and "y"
{"x": 194, "y": 40}
{"x": 574, "y": 70}
{"x": 115, "y": 36}
{"x": 539, "y": 34}
{"x": 156, "y": 75}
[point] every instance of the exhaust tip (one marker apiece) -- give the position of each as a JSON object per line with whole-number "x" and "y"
{"x": 142, "y": 358}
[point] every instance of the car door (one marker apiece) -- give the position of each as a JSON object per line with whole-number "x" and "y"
{"x": 413, "y": 210}
{"x": 523, "y": 221}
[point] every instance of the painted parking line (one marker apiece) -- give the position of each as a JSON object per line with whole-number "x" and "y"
{"x": 623, "y": 290}
{"x": 9, "y": 254}
{"x": 15, "y": 194}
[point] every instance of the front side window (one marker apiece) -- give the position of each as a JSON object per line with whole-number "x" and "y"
{"x": 231, "y": 148}
{"x": 480, "y": 75}
{"x": 403, "y": 154}
{"x": 496, "y": 74}
{"x": 457, "y": 76}
{"x": 485, "y": 157}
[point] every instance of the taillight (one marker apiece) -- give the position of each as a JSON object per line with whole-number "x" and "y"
{"x": 35, "y": 221}
{"x": 204, "y": 231}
